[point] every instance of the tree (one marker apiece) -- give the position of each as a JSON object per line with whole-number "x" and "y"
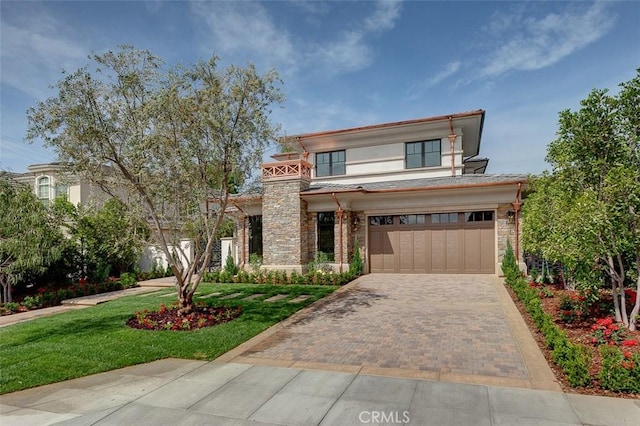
{"x": 586, "y": 212}
{"x": 29, "y": 238}
{"x": 166, "y": 144}
{"x": 108, "y": 239}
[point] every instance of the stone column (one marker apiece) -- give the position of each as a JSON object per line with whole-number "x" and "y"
{"x": 284, "y": 217}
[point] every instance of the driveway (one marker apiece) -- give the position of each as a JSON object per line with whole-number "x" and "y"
{"x": 458, "y": 328}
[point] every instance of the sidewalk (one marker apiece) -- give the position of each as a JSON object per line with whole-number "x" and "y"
{"x": 174, "y": 391}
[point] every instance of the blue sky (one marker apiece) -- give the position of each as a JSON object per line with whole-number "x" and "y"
{"x": 346, "y": 64}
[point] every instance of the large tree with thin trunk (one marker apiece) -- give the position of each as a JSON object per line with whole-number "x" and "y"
{"x": 30, "y": 239}
{"x": 169, "y": 144}
{"x": 586, "y": 212}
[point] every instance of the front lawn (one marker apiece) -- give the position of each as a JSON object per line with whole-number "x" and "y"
{"x": 92, "y": 340}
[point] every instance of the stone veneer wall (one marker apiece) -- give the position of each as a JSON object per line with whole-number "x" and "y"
{"x": 507, "y": 231}
{"x": 284, "y": 225}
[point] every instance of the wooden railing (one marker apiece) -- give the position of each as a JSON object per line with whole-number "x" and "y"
{"x": 286, "y": 170}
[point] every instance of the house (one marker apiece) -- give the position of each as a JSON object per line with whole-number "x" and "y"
{"x": 51, "y": 180}
{"x": 412, "y": 194}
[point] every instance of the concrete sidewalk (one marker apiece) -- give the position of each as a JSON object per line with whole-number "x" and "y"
{"x": 185, "y": 392}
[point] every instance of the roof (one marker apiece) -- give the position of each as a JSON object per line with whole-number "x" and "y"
{"x": 469, "y": 180}
{"x": 479, "y": 112}
{"x": 471, "y": 123}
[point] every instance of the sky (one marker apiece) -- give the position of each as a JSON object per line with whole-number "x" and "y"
{"x": 345, "y": 64}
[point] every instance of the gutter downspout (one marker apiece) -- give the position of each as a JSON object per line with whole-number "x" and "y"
{"x": 340, "y": 215}
{"x": 244, "y": 233}
{"x": 305, "y": 153}
{"x": 517, "y": 204}
{"x": 452, "y": 139}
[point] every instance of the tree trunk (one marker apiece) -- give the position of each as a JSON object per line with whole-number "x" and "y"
{"x": 6, "y": 291}
{"x": 185, "y": 298}
{"x": 636, "y": 307}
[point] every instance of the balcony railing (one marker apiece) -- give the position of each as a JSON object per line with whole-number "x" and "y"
{"x": 286, "y": 170}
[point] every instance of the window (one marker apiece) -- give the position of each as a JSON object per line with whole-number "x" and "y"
{"x": 380, "y": 220}
{"x": 255, "y": 235}
{"x": 62, "y": 189}
{"x": 478, "y": 216}
{"x": 444, "y": 218}
{"x": 44, "y": 188}
{"x": 326, "y": 234}
{"x": 330, "y": 163}
{"x": 423, "y": 154}
{"x": 412, "y": 219}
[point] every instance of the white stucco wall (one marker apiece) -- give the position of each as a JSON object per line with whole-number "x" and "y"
{"x": 153, "y": 254}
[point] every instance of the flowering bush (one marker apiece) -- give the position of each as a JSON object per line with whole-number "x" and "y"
{"x": 620, "y": 372}
{"x": 170, "y": 319}
{"x": 605, "y": 331}
{"x": 572, "y": 308}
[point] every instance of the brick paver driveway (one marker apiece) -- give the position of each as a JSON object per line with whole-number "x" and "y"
{"x": 446, "y": 327}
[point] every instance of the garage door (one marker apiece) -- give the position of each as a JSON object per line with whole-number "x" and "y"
{"x": 460, "y": 242}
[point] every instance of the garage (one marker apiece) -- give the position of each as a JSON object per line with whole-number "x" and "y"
{"x": 446, "y": 243}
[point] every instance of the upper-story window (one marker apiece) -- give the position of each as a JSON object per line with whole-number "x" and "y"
{"x": 330, "y": 163}
{"x": 44, "y": 187}
{"x": 62, "y": 189}
{"x": 423, "y": 154}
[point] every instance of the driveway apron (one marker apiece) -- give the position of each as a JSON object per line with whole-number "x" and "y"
{"x": 460, "y": 328}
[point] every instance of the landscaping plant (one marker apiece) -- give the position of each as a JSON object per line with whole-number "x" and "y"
{"x": 170, "y": 144}
{"x": 585, "y": 213}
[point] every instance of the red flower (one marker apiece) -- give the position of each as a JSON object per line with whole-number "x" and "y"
{"x": 627, "y": 354}
{"x": 630, "y": 343}
{"x": 613, "y": 327}
{"x": 604, "y": 321}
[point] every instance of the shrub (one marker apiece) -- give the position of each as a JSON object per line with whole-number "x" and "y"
{"x": 11, "y": 306}
{"x": 31, "y": 302}
{"x": 320, "y": 263}
{"x": 211, "y": 277}
{"x": 605, "y": 331}
{"x": 509, "y": 264}
{"x": 619, "y": 373}
{"x": 230, "y": 266}
{"x": 574, "y": 360}
{"x": 255, "y": 262}
{"x": 572, "y": 308}
{"x": 355, "y": 266}
{"x": 128, "y": 280}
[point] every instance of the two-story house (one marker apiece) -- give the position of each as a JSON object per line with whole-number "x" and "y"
{"x": 413, "y": 195}
{"x": 49, "y": 181}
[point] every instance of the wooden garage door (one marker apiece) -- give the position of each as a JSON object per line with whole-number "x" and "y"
{"x": 461, "y": 242}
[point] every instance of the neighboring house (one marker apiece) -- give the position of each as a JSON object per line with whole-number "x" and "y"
{"x": 50, "y": 181}
{"x": 412, "y": 194}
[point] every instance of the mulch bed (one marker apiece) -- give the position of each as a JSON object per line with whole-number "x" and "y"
{"x": 578, "y": 332}
{"x": 171, "y": 319}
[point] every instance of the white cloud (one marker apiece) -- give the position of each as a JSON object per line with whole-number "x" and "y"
{"x": 348, "y": 53}
{"x": 34, "y": 51}
{"x": 351, "y": 52}
{"x": 384, "y": 17}
{"x": 247, "y": 27}
{"x": 530, "y": 43}
{"x": 416, "y": 89}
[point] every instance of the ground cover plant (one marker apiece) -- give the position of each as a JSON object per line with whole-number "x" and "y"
{"x": 92, "y": 340}
{"x": 587, "y": 349}
{"x": 53, "y": 295}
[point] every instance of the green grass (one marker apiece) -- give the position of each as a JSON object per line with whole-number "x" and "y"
{"x": 92, "y": 340}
